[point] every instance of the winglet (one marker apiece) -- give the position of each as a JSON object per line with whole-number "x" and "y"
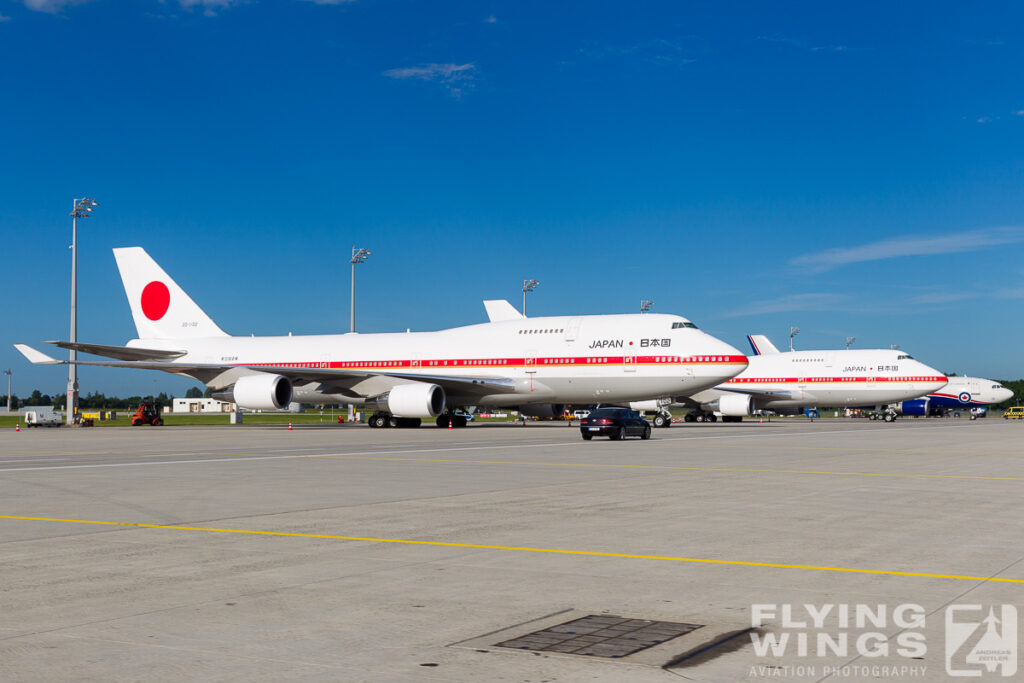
{"x": 499, "y": 310}
{"x": 36, "y": 357}
{"x": 760, "y": 344}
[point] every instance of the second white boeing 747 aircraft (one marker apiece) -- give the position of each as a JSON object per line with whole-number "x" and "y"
{"x": 405, "y": 377}
{"x": 788, "y": 382}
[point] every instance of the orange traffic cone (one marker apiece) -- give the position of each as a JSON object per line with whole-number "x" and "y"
{"x": 17, "y": 425}
{"x": 450, "y": 423}
{"x": 289, "y": 425}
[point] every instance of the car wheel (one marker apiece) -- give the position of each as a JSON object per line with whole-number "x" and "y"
{"x": 587, "y": 436}
{"x": 647, "y": 433}
{"x": 618, "y": 435}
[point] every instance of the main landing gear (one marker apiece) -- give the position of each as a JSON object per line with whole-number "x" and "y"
{"x": 700, "y": 416}
{"x": 381, "y": 420}
{"x": 889, "y": 415}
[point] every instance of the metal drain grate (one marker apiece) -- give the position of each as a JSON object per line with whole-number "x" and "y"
{"x": 601, "y": 636}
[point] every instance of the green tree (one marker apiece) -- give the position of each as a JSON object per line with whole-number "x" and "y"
{"x": 194, "y": 392}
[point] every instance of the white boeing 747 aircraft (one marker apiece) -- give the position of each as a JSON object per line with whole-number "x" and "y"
{"x": 406, "y": 377}
{"x": 788, "y": 382}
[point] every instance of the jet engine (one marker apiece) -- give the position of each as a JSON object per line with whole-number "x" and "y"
{"x": 916, "y": 407}
{"x": 543, "y": 411}
{"x": 731, "y": 405}
{"x": 260, "y": 392}
{"x": 410, "y": 400}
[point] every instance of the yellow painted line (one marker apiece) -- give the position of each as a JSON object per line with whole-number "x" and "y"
{"x": 456, "y": 461}
{"x": 554, "y": 551}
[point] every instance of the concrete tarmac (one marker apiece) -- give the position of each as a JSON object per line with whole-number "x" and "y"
{"x": 346, "y": 553}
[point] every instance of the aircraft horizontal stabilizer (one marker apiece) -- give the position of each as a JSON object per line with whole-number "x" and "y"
{"x": 36, "y": 357}
{"x": 499, "y": 310}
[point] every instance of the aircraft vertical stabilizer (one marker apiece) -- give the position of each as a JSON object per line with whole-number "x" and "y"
{"x": 161, "y": 309}
{"x": 760, "y": 344}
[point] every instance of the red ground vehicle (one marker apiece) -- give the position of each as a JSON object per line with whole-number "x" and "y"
{"x": 147, "y": 414}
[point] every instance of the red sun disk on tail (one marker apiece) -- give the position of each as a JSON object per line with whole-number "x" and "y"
{"x": 156, "y": 299}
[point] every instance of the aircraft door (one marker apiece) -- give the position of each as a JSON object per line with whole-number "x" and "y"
{"x": 572, "y": 329}
{"x": 629, "y": 363}
{"x": 416, "y": 360}
{"x": 530, "y": 362}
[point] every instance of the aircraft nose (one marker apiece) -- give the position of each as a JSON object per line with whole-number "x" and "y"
{"x": 932, "y": 379}
{"x": 1003, "y": 394}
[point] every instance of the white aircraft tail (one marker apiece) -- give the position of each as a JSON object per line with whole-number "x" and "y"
{"x": 499, "y": 310}
{"x": 161, "y": 309}
{"x": 760, "y": 344}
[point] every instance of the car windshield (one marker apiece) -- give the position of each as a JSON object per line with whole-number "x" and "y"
{"x": 607, "y": 412}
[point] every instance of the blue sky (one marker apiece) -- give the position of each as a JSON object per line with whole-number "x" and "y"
{"x": 854, "y": 169}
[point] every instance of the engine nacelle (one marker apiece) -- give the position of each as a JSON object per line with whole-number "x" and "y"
{"x": 411, "y": 400}
{"x": 731, "y": 405}
{"x": 543, "y": 411}
{"x": 654, "y": 406}
{"x": 916, "y": 407}
{"x": 262, "y": 392}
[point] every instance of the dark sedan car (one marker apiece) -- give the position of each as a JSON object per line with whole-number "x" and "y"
{"x": 615, "y": 423}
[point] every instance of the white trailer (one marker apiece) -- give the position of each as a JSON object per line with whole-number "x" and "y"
{"x": 40, "y": 418}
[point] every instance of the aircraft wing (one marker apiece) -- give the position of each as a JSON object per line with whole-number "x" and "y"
{"x": 120, "y": 352}
{"x": 454, "y": 383}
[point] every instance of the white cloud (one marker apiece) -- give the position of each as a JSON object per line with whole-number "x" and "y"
{"x": 454, "y": 77}
{"x": 915, "y": 245}
{"x": 210, "y": 7}
{"x": 491, "y": 20}
{"x": 330, "y": 2}
{"x": 50, "y": 6}
{"x": 3, "y": 18}
{"x": 818, "y": 301}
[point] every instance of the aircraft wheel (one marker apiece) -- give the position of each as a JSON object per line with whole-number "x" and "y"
{"x": 660, "y": 421}
{"x": 689, "y": 417}
{"x": 712, "y": 418}
{"x": 890, "y": 418}
{"x": 442, "y": 421}
{"x": 379, "y": 421}
{"x": 458, "y": 421}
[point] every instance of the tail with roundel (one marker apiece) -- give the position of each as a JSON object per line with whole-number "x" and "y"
{"x": 161, "y": 309}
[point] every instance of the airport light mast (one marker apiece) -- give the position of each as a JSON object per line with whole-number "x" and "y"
{"x": 358, "y": 256}
{"x": 528, "y": 286}
{"x": 645, "y": 305}
{"x": 82, "y": 209}
{"x": 8, "y": 373}
{"x": 849, "y": 342}
{"x": 793, "y": 331}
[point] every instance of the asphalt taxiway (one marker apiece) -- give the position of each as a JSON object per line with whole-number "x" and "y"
{"x": 345, "y": 553}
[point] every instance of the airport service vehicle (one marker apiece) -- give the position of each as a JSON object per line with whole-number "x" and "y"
{"x": 1014, "y": 413}
{"x": 615, "y": 423}
{"x": 786, "y": 383}
{"x": 147, "y": 414}
{"x": 510, "y": 362}
{"x": 40, "y": 418}
{"x": 960, "y": 393}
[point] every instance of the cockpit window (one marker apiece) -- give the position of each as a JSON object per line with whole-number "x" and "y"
{"x": 904, "y": 357}
{"x": 997, "y": 386}
{"x": 676, "y": 326}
